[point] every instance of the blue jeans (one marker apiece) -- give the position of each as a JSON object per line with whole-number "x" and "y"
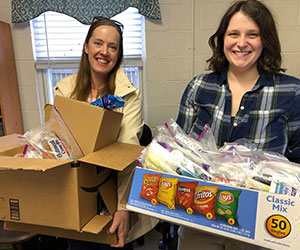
{"x": 85, "y": 245}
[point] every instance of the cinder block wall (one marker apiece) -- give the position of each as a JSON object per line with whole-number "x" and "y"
{"x": 176, "y": 50}
{"x": 25, "y": 67}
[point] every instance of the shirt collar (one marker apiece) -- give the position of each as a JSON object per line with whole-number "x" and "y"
{"x": 265, "y": 79}
{"x": 223, "y": 78}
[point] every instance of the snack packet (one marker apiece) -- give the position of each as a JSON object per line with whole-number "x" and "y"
{"x": 150, "y": 187}
{"x": 185, "y": 195}
{"x": 205, "y": 201}
{"x": 167, "y": 191}
{"x": 227, "y": 205}
{"x": 109, "y": 102}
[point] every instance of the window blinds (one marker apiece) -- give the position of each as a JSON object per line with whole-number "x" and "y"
{"x": 58, "y": 36}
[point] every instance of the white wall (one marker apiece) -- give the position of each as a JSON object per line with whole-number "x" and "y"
{"x": 176, "y": 50}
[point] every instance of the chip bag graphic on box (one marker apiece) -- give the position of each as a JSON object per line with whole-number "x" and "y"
{"x": 227, "y": 205}
{"x": 185, "y": 195}
{"x": 167, "y": 191}
{"x": 205, "y": 201}
{"x": 150, "y": 187}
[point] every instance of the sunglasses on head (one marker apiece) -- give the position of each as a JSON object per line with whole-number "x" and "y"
{"x": 99, "y": 18}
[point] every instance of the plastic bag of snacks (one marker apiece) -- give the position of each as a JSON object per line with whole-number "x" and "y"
{"x": 238, "y": 164}
{"x": 52, "y": 140}
{"x": 165, "y": 154}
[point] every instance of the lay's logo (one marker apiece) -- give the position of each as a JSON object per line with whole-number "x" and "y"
{"x": 225, "y": 197}
{"x": 166, "y": 184}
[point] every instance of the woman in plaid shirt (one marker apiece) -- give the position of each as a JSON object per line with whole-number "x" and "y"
{"x": 245, "y": 96}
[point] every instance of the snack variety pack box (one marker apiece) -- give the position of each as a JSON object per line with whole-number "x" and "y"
{"x": 260, "y": 218}
{"x": 59, "y": 197}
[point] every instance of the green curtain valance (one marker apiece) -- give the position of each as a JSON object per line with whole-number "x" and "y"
{"x": 82, "y": 10}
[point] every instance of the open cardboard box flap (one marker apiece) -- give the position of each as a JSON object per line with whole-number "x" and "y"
{"x": 92, "y": 127}
{"x": 102, "y": 237}
{"x": 10, "y": 142}
{"x": 96, "y": 225}
{"x": 115, "y": 156}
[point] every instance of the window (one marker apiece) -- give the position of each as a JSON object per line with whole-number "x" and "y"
{"x": 58, "y": 41}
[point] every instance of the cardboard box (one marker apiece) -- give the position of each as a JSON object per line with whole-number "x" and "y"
{"x": 264, "y": 219}
{"x": 58, "y": 197}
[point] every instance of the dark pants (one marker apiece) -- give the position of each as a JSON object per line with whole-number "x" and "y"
{"x": 85, "y": 245}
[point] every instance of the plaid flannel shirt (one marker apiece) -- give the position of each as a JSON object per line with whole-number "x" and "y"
{"x": 268, "y": 115}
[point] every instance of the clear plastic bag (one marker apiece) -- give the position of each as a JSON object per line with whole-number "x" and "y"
{"x": 206, "y": 138}
{"x": 261, "y": 170}
{"x": 52, "y": 140}
{"x": 170, "y": 151}
{"x": 238, "y": 163}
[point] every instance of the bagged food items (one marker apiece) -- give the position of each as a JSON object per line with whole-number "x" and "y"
{"x": 150, "y": 187}
{"x": 284, "y": 188}
{"x": 52, "y": 140}
{"x": 109, "y": 102}
{"x": 238, "y": 164}
{"x": 227, "y": 205}
{"x": 159, "y": 158}
{"x": 167, "y": 191}
{"x": 185, "y": 195}
{"x": 205, "y": 201}
{"x": 170, "y": 152}
{"x": 28, "y": 151}
{"x": 284, "y": 177}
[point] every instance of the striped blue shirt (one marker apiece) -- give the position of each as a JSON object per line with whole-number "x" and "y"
{"x": 268, "y": 115}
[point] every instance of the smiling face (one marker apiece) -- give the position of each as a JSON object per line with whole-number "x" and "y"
{"x": 103, "y": 50}
{"x": 242, "y": 43}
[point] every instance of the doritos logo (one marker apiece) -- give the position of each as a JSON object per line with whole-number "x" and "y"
{"x": 183, "y": 190}
{"x": 225, "y": 197}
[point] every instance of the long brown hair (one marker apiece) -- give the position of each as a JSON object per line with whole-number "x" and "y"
{"x": 83, "y": 80}
{"x": 270, "y": 58}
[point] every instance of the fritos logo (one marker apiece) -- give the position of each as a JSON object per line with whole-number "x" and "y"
{"x": 166, "y": 184}
{"x": 148, "y": 180}
{"x": 203, "y": 195}
{"x": 225, "y": 197}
